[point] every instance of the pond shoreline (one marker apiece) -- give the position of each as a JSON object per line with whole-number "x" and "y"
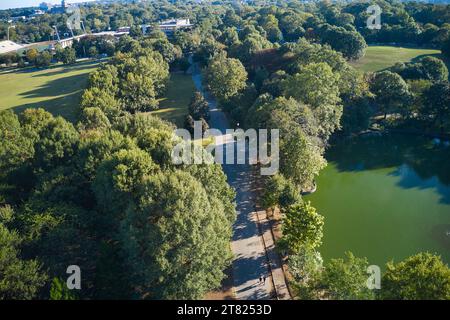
{"x": 400, "y": 131}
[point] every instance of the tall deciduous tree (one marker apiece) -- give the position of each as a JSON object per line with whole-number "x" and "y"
{"x": 302, "y": 227}
{"x": 300, "y": 159}
{"x": 198, "y": 107}
{"x": 19, "y": 279}
{"x": 437, "y": 105}
{"x": 317, "y": 86}
{"x": 420, "y": 277}
{"x": 225, "y": 77}
{"x": 176, "y": 241}
{"x": 391, "y": 92}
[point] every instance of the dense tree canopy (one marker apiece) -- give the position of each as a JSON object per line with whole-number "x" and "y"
{"x": 423, "y": 276}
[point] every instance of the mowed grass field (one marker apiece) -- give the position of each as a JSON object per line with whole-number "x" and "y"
{"x": 381, "y": 57}
{"x": 57, "y": 89}
{"x": 174, "y": 105}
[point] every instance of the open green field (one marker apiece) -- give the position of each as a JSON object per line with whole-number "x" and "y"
{"x": 57, "y": 89}
{"x": 174, "y": 105}
{"x": 381, "y": 57}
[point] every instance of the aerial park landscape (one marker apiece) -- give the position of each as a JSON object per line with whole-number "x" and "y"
{"x": 93, "y": 205}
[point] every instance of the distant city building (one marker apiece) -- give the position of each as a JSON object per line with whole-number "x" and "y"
{"x": 60, "y": 9}
{"x": 18, "y": 18}
{"x": 170, "y": 26}
{"x": 37, "y": 13}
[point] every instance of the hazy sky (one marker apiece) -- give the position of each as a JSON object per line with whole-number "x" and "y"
{"x": 6, "y": 4}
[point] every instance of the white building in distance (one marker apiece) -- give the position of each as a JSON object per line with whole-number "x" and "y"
{"x": 170, "y": 26}
{"x": 9, "y": 46}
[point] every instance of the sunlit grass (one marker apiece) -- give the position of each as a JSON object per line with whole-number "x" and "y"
{"x": 381, "y": 57}
{"x": 57, "y": 89}
{"x": 174, "y": 105}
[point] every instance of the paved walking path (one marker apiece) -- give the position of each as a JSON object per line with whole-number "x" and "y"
{"x": 248, "y": 245}
{"x": 278, "y": 278}
{"x": 249, "y": 254}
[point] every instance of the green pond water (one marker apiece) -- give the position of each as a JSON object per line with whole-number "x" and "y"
{"x": 385, "y": 197}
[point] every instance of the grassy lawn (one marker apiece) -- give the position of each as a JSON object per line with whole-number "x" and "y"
{"x": 174, "y": 106}
{"x": 381, "y": 57}
{"x": 57, "y": 89}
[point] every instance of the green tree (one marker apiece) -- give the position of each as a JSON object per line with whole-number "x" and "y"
{"x": 300, "y": 159}
{"x": 446, "y": 48}
{"x": 436, "y": 105}
{"x": 95, "y": 147}
{"x": 350, "y": 43}
{"x": 198, "y": 107}
{"x": 59, "y": 290}
{"x": 32, "y": 55}
{"x": 15, "y": 147}
{"x": 434, "y": 69}
{"x": 136, "y": 31}
{"x": 66, "y": 55}
{"x": 421, "y": 277}
{"x": 119, "y": 178}
{"x": 275, "y": 185}
{"x": 143, "y": 75}
{"x": 43, "y": 59}
{"x": 105, "y": 79}
{"x": 305, "y": 265}
{"x": 302, "y": 227}
{"x": 225, "y": 77}
{"x": 391, "y": 92}
{"x": 57, "y": 143}
{"x": 356, "y": 115}
{"x": 101, "y": 99}
{"x": 177, "y": 241}
{"x": 317, "y": 86}
{"x": 19, "y": 279}
{"x": 93, "y": 52}
{"x": 93, "y": 118}
{"x": 280, "y": 191}
{"x": 270, "y": 25}
{"x": 289, "y": 195}
{"x": 346, "y": 279}
{"x": 138, "y": 93}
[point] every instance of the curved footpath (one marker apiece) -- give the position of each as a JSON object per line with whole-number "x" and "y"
{"x": 249, "y": 236}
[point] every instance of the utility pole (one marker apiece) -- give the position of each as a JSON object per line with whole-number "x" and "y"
{"x": 57, "y": 34}
{"x": 8, "y": 30}
{"x": 82, "y": 24}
